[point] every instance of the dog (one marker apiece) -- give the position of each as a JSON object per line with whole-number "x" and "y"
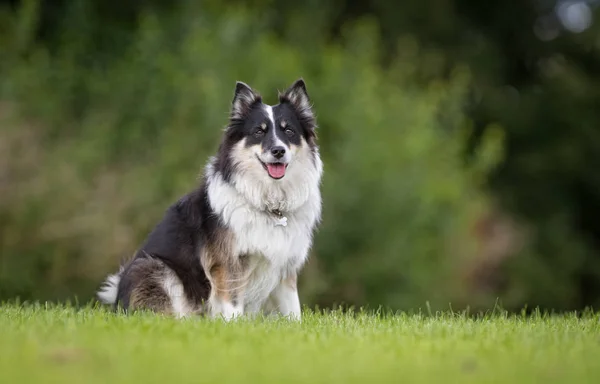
{"x": 234, "y": 246}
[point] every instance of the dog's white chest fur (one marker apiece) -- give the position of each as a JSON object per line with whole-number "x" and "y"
{"x": 274, "y": 251}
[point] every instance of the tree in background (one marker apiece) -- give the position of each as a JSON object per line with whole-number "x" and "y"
{"x": 532, "y": 69}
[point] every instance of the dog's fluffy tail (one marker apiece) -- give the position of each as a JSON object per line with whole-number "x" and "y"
{"x": 107, "y": 293}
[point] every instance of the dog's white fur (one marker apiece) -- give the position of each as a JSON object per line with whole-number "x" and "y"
{"x": 174, "y": 289}
{"x": 107, "y": 294}
{"x": 276, "y": 252}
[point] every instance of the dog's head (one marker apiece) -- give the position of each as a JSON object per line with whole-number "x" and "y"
{"x": 267, "y": 141}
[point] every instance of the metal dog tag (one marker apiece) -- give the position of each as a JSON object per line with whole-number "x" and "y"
{"x": 281, "y": 221}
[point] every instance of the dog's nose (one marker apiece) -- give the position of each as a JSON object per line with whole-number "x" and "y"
{"x": 278, "y": 152}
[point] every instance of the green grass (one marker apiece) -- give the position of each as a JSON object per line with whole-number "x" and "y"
{"x": 65, "y": 345}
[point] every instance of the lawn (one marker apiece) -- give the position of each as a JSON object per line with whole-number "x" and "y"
{"x": 40, "y": 344}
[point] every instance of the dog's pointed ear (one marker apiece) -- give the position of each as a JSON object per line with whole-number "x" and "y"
{"x": 243, "y": 99}
{"x": 297, "y": 96}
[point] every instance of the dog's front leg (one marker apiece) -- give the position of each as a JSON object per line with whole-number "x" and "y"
{"x": 285, "y": 297}
{"x": 226, "y": 299}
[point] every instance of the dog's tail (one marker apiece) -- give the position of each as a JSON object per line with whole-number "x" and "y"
{"x": 107, "y": 293}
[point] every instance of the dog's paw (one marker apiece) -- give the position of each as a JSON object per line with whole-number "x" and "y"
{"x": 227, "y": 311}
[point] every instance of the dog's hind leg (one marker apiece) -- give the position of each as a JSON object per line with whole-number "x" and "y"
{"x": 155, "y": 287}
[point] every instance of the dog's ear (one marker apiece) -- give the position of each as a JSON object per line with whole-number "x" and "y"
{"x": 297, "y": 96}
{"x": 243, "y": 99}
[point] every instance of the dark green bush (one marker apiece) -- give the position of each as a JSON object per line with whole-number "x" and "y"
{"x": 94, "y": 150}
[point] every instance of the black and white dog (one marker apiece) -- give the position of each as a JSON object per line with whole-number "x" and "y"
{"x": 235, "y": 245}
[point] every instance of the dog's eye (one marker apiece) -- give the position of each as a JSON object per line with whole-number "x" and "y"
{"x": 259, "y": 132}
{"x": 289, "y": 132}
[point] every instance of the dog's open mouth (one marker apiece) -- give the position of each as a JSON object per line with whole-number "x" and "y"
{"x": 275, "y": 170}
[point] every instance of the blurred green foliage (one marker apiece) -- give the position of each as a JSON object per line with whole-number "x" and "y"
{"x": 108, "y": 114}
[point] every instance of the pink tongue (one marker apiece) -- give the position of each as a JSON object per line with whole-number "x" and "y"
{"x": 276, "y": 171}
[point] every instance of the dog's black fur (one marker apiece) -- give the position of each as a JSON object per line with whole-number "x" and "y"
{"x": 176, "y": 242}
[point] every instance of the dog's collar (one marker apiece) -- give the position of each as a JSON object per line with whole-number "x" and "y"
{"x": 276, "y": 212}
{"x": 281, "y": 219}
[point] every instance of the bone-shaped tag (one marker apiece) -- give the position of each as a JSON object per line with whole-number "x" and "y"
{"x": 281, "y": 221}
